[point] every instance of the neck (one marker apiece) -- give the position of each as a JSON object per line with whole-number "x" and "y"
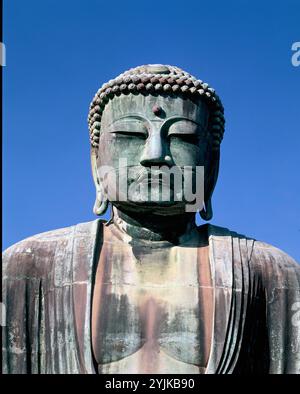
{"x": 149, "y": 226}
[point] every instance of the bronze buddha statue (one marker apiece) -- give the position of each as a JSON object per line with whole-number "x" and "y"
{"x": 149, "y": 291}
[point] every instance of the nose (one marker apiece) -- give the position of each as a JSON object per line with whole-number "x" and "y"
{"x": 155, "y": 152}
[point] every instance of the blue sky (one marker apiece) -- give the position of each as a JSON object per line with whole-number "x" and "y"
{"x": 60, "y": 52}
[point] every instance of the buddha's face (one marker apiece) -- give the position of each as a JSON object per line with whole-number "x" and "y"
{"x": 152, "y": 134}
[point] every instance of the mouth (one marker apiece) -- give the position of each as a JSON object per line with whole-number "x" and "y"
{"x": 154, "y": 180}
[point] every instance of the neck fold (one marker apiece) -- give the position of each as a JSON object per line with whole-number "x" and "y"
{"x": 150, "y": 227}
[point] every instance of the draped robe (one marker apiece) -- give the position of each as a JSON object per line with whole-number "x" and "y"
{"x": 48, "y": 286}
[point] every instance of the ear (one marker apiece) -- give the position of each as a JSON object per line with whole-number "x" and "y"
{"x": 101, "y": 202}
{"x": 211, "y": 178}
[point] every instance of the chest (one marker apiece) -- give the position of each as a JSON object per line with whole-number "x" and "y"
{"x": 152, "y": 303}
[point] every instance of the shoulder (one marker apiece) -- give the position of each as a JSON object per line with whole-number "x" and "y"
{"x": 267, "y": 252}
{"x": 277, "y": 267}
{"x": 35, "y": 254}
{"x": 264, "y": 259}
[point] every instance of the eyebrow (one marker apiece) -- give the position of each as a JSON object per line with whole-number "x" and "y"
{"x": 130, "y": 117}
{"x": 166, "y": 122}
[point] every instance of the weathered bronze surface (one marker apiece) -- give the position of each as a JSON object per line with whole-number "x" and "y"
{"x": 149, "y": 291}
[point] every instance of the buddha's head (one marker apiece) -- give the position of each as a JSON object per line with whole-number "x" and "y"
{"x": 152, "y": 130}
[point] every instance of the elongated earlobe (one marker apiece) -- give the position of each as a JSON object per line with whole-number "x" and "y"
{"x": 207, "y": 213}
{"x": 101, "y": 203}
{"x": 100, "y": 206}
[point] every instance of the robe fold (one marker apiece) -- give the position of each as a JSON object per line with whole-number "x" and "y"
{"x": 48, "y": 285}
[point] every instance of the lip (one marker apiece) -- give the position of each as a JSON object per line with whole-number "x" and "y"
{"x": 154, "y": 180}
{"x": 158, "y": 183}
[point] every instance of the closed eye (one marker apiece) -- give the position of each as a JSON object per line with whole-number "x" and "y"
{"x": 126, "y": 133}
{"x": 191, "y": 138}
